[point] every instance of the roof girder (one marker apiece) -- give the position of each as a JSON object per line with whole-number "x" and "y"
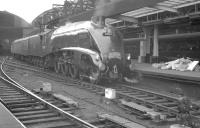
{"x": 127, "y": 18}
{"x": 165, "y": 8}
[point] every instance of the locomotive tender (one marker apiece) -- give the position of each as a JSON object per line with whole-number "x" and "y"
{"x": 79, "y": 50}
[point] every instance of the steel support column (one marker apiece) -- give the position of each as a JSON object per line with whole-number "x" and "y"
{"x": 142, "y": 56}
{"x": 155, "y": 44}
{"x": 145, "y": 47}
{"x": 147, "y": 36}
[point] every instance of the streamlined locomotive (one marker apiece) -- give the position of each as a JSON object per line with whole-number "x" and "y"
{"x": 81, "y": 50}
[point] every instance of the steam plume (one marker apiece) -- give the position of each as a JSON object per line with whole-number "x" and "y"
{"x": 104, "y": 7}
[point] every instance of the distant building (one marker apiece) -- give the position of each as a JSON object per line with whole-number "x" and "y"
{"x": 11, "y": 27}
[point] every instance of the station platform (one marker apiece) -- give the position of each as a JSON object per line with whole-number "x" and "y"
{"x": 182, "y": 76}
{"x": 7, "y": 120}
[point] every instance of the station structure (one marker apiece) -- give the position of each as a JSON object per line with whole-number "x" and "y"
{"x": 12, "y": 27}
{"x": 153, "y": 30}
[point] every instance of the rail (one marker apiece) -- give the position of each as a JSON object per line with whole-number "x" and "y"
{"x": 53, "y": 107}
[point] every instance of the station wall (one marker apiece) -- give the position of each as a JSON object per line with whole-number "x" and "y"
{"x": 11, "y": 28}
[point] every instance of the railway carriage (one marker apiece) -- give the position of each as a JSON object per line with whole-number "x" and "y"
{"x": 81, "y": 50}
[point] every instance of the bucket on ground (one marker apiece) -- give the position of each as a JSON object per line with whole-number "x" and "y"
{"x": 46, "y": 87}
{"x": 110, "y": 93}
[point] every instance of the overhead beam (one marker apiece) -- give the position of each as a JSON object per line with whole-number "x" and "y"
{"x": 127, "y": 18}
{"x": 165, "y": 8}
{"x": 122, "y": 6}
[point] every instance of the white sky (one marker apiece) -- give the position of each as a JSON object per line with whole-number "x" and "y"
{"x": 27, "y": 9}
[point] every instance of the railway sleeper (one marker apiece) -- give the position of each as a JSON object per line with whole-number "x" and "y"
{"x": 143, "y": 96}
{"x": 120, "y": 121}
{"x": 66, "y": 100}
{"x": 15, "y": 99}
{"x": 58, "y": 103}
{"x": 145, "y": 111}
{"x": 100, "y": 93}
{"x": 57, "y": 124}
{"x": 105, "y": 125}
{"x": 23, "y": 105}
{"x": 195, "y": 113}
{"x": 126, "y": 91}
{"x": 26, "y": 107}
{"x": 52, "y": 101}
{"x": 47, "y": 99}
{"x": 7, "y": 89}
{"x": 153, "y": 98}
{"x": 158, "y": 95}
{"x": 2, "y": 91}
{"x": 69, "y": 110}
{"x": 37, "y": 116}
{"x": 174, "y": 107}
{"x": 20, "y": 101}
{"x": 133, "y": 93}
{"x": 10, "y": 94}
{"x": 61, "y": 105}
{"x": 13, "y": 96}
{"x": 137, "y": 94}
{"x": 31, "y": 113}
{"x": 160, "y": 101}
{"x": 44, "y": 120}
{"x": 16, "y": 110}
{"x": 170, "y": 104}
{"x": 138, "y": 114}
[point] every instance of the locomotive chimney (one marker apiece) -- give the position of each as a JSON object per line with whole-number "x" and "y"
{"x": 102, "y": 21}
{"x": 99, "y": 21}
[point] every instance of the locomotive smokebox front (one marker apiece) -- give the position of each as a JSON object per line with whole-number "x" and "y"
{"x": 115, "y": 65}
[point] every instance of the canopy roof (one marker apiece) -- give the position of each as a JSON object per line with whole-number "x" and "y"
{"x": 162, "y": 6}
{"x": 127, "y": 9}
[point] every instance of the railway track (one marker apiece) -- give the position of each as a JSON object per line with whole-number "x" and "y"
{"x": 150, "y": 103}
{"x": 166, "y": 107}
{"x": 32, "y": 111}
{"x": 46, "y": 112}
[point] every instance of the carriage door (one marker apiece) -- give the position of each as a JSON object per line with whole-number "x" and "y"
{"x": 43, "y": 41}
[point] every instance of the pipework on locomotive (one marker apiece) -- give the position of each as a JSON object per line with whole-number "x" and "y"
{"x": 80, "y": 50}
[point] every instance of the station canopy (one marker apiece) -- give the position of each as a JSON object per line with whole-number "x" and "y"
{"x": 156, "y": 6}
{"x": 121, "y": 10}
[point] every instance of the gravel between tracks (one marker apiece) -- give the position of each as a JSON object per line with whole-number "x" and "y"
{"x": 90, "y": 103}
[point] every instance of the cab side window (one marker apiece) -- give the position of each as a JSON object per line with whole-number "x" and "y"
{"x": 87, "y": 41}
{"x": 84, "y": 40}
{"x": 86, "y": 59}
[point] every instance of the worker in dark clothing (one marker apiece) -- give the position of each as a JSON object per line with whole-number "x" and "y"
{"x": 184, "y": 108}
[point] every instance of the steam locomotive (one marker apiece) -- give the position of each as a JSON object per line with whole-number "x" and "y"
{"x": 81, "y": 50}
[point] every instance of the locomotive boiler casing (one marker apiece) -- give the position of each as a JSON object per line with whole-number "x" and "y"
{"x": 104, "y": 41}
{"x": 109, "y": 47}
{"x": 20, "y": 47}
{"x": 35, "y": 48}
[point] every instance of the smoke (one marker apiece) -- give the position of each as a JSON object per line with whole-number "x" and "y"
{"x": 105, "y": 7}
